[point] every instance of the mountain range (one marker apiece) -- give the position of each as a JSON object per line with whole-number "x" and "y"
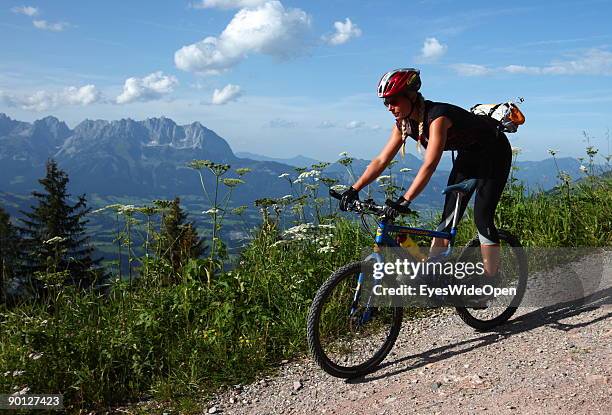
{"x": 149, "y": 159}
{"x": 124, "y": 157}
{"x": 146, "y": 159}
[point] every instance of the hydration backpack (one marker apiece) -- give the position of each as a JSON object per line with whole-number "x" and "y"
{"x": 507, "y": 114}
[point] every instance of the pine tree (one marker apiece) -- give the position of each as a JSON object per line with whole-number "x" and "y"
{"x": 179, "y": 240}
{"x": 54, "y": 233}
{"x": 9, "y": 253}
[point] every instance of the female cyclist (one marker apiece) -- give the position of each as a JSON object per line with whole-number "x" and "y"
{"x": 483, "y": 152}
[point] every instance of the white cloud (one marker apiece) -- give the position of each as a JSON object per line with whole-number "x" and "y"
{"x": 591, "y": 62}
{"x": 521, "y": 69}
{"x": 353, "y": 125}
{"x": 27, "y": 10}
{"x": 269, "y": 29}
{"x": 226, "y": 4}
{"x": 432, "y": 49}
{"x": 54, "y": 27}
{"x": 44, "y": 100}
{"x": 227, "y": 94}
{"x": 151, "y": 87}
{"x": 281, "y": 123}
{"x": 84, "y": 95}
{"x": 469, "y": 69}
{"x": 344, "y": 32}
{"x": 326, "y": 124}
{"x": 361, "y": 125}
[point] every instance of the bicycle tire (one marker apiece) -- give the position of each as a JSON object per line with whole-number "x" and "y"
{"x": 313, "y": 333}
{"x": 467, "y": 315}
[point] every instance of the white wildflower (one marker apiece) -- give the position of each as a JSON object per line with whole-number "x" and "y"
{"x": 583, "y": 168}
{"x": 310, "y": 174}
{"x": 326, "y": 249}
{"x": 286, "y": 197}
{"x": 300, "y": 228}
{"x": 298, "y": 180}
{"x": 516, "y": 150}
{"x": 212, "y": 211}
{"x": 55, "y": 240}
{"x": 565, "y": 177}
{"x": 283, "y": 175}
{"x": 383, "y": 178}
{"x": 35, "y": 356}
{"x": 405, "y": 170}
{"x": 343, "y": 154}
{"x": 339, "y": 188}
{"x": 18, "y": 372}
{"x": 126, "y": 209}
{"x": 23, "y": 391}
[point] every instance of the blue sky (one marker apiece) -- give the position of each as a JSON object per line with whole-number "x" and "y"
{"x": 297, "y": 77}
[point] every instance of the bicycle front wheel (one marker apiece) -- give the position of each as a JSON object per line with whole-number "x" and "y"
{"x": 346, "y": 336}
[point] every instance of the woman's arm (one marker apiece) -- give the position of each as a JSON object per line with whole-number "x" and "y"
{"x": 380, "y": 162}
{"x": 435, "y": 147}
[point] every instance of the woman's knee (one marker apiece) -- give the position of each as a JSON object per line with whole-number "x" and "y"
{"x": 487, "y": 232}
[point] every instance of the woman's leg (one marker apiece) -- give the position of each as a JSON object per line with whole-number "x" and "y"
{"x": 488, "y": 193}
{"x": 462, "y": 170}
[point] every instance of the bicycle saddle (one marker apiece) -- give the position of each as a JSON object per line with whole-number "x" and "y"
{"x": 466, "y": 187}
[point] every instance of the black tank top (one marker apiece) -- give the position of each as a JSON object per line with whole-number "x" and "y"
{"x": 469, "y": 131}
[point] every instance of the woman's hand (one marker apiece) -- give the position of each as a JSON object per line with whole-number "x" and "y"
{"x": 395, "y": 208}
{"x": 349, "y": 196}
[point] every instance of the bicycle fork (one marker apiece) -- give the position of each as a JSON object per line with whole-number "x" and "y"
{"x": 367, "y": 314}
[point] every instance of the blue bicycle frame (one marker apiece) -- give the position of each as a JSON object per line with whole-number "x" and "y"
{"x": 382, "y": 239}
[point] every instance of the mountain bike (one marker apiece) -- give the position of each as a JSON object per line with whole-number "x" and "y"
{"x": 349, "y": 335}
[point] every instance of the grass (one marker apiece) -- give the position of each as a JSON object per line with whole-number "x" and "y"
{"x": 178, "y": 342}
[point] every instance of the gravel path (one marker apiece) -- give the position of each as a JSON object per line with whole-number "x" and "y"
{"x": 549, "y": 360}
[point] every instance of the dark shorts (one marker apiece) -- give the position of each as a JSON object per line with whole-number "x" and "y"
{"x": 491, "y": 166}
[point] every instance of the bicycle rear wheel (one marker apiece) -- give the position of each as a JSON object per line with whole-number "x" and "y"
{"x": 346, "y": 337}
{"x": 513, "y": 271}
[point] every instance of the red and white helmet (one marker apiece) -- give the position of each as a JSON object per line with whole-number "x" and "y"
{"x": 399, "y": 81}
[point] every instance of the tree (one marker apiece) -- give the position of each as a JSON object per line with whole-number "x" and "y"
{"x": 179, "y": 240}
{"x": 54, "y": 234}
{"x": 9, "y": 253}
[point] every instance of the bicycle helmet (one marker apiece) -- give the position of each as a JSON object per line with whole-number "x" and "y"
{"x": 399, "y": 81}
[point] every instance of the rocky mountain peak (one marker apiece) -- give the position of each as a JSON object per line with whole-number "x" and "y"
{"x": 50, "y": 129}
{"x": 6, "y": 124}
{"x": 163, "y": 131}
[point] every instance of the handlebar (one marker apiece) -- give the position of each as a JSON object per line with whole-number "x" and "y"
{"x": 366, "y": 206}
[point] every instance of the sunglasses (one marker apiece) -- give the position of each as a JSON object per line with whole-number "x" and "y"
{"x": 391, "y": 101}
